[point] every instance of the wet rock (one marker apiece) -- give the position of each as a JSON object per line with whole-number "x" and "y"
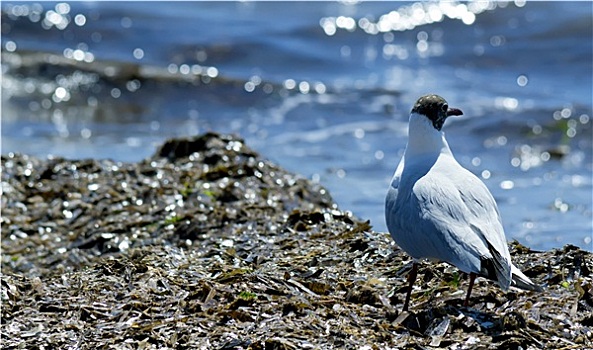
{"x": 208, "y": 245}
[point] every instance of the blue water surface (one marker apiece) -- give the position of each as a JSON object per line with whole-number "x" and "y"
{"x": 321, "y": 88}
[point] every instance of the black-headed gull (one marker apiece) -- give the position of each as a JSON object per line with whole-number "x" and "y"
{"x": 435, "y": 209}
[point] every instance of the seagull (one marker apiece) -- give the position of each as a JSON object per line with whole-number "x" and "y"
{"x": 436, "y": 209}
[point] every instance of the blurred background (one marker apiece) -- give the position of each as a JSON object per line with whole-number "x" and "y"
{"x": 323, "y": 89}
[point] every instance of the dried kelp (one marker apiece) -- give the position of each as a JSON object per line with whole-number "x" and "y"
{"x": 208, "y": 245}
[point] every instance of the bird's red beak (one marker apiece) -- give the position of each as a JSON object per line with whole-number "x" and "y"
{"x": 454, "y": 111}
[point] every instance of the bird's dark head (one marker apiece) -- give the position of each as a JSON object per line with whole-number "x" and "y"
{"x": 435, "y": 108}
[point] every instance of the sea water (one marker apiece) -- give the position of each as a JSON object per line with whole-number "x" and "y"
{"x": 321, "y": 88}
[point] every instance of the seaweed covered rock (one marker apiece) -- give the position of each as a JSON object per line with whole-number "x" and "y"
{"x": 208, "y": 245}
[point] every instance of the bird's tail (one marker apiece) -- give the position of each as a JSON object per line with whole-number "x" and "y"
{"x": 519, "y": 280}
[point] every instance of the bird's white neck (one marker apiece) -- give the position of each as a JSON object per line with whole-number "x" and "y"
{"x": 423, "y": 138}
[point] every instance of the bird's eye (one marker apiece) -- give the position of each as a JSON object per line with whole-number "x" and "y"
{"x": 445, "y": 107}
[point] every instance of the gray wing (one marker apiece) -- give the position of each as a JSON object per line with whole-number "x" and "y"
{"x": 448, "y": 214}
{"x": 397, "y": 177}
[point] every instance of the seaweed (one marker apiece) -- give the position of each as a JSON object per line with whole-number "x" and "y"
{"x": 208, "y": 245}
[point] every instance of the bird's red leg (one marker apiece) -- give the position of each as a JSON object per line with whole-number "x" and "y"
{"x": 411, "y": 278}
{"x": 472, "y": 277}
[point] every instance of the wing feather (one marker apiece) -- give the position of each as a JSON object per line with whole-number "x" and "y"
{"x": 448, "y": 214}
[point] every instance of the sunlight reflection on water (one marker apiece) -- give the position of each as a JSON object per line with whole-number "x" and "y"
{"x": 322, "y": 90}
